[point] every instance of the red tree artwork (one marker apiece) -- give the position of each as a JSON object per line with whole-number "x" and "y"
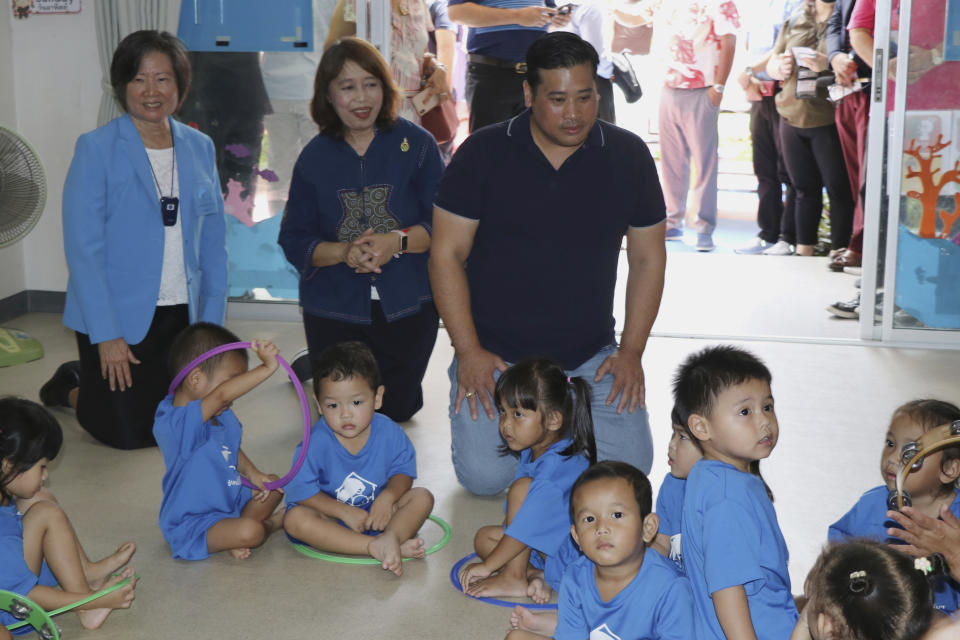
{"x": 932, "y": 186}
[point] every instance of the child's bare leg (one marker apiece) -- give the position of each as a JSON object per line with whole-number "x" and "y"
{"x": 251, "y": 529}
{"x": 48, "y": 535}
{"x": 520, "y": 634}
{"x": 323, "y": 532}
{"x": 525, "y": 620}
{"x": 397, "y": 541}
{"x": 511, "y": 580}
{"x": 95, "y": 572}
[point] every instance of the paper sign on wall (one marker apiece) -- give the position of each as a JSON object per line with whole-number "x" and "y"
{"x": 24, "y": 8}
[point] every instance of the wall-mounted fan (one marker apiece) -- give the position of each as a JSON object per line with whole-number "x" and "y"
{"x": 23, "y": 193}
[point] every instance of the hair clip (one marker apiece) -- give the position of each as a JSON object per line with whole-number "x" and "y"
{"x": 924, "y": 565}
{"x": 858, "y": 581}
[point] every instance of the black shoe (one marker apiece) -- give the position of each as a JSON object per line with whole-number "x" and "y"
{"x": 66, "y": 378}
{"x": 302, "y": 366}
{"x": 847, "y": 309}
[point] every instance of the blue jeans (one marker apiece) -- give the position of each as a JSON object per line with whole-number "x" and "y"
{"x": 483, "y": 471}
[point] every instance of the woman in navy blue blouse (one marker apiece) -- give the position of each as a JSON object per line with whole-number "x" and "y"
{"x": 357, "y": 224}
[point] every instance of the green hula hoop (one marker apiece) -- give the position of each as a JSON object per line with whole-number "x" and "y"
{"x": 45, "y": 617}
{"x": 330, "y": 557}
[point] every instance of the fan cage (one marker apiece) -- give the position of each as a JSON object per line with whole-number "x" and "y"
{"x": 23, "y": 187}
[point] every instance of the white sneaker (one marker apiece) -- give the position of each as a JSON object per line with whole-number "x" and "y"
{"x": 782, "y": 248}
{"x": 756, "y": 246}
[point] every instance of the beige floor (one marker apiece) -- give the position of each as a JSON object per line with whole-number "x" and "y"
{"x": 832, "y": 401}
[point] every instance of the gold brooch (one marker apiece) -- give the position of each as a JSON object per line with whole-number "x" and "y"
{"x": 404, "y": 146}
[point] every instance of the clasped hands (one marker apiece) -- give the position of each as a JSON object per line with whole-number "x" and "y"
{"x": 370, "y": 251}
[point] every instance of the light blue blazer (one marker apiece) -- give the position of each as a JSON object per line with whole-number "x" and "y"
{"x": 113, "y": 232}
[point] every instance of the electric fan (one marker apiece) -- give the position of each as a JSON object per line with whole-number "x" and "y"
{"x": 23, "y": 192}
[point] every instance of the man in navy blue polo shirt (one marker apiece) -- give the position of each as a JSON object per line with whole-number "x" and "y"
{"x": 500, "y": 33}
{"x": 529, "y": 221}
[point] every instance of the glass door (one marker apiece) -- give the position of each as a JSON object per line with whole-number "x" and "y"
{"x": 913, "y": 179}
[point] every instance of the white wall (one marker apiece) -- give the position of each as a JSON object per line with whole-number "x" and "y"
{"x": 56, "y": 89}
{"x": 11, "y": 258}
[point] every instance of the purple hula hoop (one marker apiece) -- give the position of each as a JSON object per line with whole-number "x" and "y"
{"x": 296, "y": 384}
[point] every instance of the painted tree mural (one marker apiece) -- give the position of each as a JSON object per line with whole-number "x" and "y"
{"x": 932, "y": 185}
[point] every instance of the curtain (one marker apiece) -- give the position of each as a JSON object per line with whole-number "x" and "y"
{"x": 116, "y": 19}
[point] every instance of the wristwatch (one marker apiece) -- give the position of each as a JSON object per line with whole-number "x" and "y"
{"x": 748, "y": 71}
{"x": 404, "y": 240}
{"x": 718, "y": 88}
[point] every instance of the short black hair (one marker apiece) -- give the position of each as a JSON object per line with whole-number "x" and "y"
{"x": 558, "y": 50}
{"x": 345, "y": 360}
{"x": 130, "y": 52}
{"x": 28, "y": 432}
{"x": 706, "y": 374}
{"x": 616, "y": 469}
{"x": 196, "y": 340}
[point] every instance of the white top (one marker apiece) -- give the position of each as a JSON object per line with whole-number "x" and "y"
{"x": 173, "y": 277}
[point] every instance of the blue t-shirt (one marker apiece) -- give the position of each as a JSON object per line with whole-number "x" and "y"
{"x": 15, "y": 575}
{"x": 561, "y": 302}
{"x": 543, "y": 521}
{"x": 868, "y": 519}
{"x": 731, "y": 537}
{"x": 670, "y": 511}
{"x": 356, "y": 480}
{"x": 202, "y": 485}
{"x": 508, "y": 41}
{"x": 656, "y": 605}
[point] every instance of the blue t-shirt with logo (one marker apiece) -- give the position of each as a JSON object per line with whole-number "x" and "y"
{"x": 358, "y": 479}
{"x": 201, "y": 486}
{"x": 656, "y": 605}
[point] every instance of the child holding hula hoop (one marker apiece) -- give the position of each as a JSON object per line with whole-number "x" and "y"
{"x": 354, "y": 493}
{"x": 205, "y": 508}
{"x": 39, "y": 550}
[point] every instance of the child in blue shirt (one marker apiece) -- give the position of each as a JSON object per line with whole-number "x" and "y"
{"x": 733, "y": 550}
{"x": 682, "y": 454}
{"x": 620, "y": 588}
{"x": 40, "y": 555}
{"x": 931, "y": 487}
{"x": 545, "y": 419}
{"x": 866, "y": 589}
{"x": 358, "y": 474}
{"x": 205, "y": 509}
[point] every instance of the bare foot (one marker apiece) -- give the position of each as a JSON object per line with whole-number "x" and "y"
{"x": 499, "y": 585}
{"x": 240, "y": 554}
{"x": 122, "y": 598}
{"x": 98, "y": 572}
{"x": 543, "y": 624}
{"x": 413, "y": 548}
{"x": 539, "y": 591}
{"x": 386, "y": 548}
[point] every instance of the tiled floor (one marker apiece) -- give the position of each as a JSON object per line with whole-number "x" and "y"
{"x": 832, "y": 401}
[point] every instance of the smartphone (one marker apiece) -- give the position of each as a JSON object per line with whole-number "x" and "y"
{"x": 566, "y": 9}
{"x": 423, "y": 102}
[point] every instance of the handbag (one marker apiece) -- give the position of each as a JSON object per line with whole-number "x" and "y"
{"x": 442, "y": 121}
{"x": 625, "y": 77}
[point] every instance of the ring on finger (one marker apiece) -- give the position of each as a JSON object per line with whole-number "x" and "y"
{"x": 469, "y": 394}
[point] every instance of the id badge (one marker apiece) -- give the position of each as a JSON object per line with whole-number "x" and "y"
{"x": 168, "y": 209}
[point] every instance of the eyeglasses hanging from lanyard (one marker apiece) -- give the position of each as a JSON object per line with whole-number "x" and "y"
{"x": 169, "y": 205}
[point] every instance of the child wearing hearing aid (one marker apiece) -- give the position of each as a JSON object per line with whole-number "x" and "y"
{"x": 931, "y": 485}
{"x": 205, "y": 508}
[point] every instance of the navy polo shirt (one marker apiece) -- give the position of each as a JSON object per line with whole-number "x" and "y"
{"x": 543, "y": 265}
{"x": 506, "y": 42}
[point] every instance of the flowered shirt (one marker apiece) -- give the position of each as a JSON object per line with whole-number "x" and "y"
{"x": 687, "y": 36}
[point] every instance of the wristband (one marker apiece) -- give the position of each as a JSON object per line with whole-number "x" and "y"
{"x": 718, "y": 88}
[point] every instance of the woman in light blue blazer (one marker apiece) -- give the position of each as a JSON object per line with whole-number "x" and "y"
{"x": 145, "y": 241}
